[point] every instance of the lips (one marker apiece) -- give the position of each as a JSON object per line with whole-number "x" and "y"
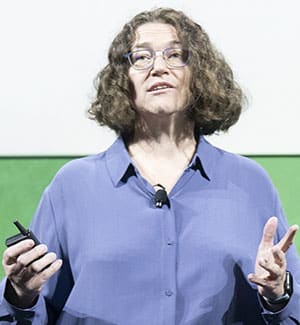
{"x": 160, "y": 86}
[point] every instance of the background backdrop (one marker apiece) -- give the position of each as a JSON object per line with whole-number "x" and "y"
{"x": 52, "y": 50}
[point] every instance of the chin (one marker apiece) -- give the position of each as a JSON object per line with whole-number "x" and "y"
{"x": 164, "y": 108}
{"x": 161, "y": 109}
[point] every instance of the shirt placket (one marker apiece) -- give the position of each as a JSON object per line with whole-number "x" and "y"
{"x": 169, "y": 259}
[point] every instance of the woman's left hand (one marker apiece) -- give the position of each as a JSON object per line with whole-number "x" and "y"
{"x": 270, "y": 266}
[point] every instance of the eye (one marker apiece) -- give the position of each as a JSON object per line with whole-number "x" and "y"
{"x": 174, "y": 54}
{"x": 140, "y": 56}
{"x": 176, "y": 57}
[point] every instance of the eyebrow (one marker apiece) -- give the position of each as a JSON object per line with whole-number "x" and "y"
{"x": 148, "y": 45}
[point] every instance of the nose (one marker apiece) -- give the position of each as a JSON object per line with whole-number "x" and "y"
{"x": 159, "y": 65}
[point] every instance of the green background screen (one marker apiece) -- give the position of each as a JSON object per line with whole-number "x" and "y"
{"x": 24, "y": 179}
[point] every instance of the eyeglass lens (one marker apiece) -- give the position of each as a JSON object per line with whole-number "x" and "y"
{"x": 143, "y": 59}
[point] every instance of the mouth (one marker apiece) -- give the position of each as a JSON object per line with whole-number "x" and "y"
{"x": 160, "y": 87}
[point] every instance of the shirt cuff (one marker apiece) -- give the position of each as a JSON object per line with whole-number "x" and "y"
{"x": 14, "y": 313}
{"x": 288, "y": 311}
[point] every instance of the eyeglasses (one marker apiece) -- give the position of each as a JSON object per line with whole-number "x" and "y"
{"x": 144, "y": 58}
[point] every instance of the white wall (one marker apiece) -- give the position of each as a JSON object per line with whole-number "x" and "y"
{"x": 51, "y": 51}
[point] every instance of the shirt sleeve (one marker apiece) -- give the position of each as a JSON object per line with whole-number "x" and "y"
{"x": 57, "y": 288}
{"x": 290, "y": 314}
{"x": 10, "y": 314}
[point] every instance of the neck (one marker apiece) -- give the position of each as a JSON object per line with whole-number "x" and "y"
{"x": 161, "y": 151}
{"x": 163, "y": 133}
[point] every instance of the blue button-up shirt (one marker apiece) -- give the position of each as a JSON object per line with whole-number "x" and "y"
{"x": 128, "y": 262}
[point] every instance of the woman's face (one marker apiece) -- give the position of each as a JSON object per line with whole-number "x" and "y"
{"x": 159, "y": 89}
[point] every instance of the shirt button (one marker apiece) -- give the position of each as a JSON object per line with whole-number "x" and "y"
{"x": 169, "y": 293}
{"x": 170, "y": 242}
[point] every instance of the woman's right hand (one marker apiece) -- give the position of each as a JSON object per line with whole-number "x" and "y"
{"x": 27, "y": 268}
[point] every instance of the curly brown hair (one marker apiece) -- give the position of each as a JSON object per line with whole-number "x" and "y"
{"x": 216, "y": 99}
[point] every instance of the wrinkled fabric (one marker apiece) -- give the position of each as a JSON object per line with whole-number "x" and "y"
{"x": 128, "y": 262}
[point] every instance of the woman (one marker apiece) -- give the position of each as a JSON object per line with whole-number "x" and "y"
{"x": 162, "y": 228}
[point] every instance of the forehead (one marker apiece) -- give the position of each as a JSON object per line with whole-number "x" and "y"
{"x": 155, "y": 34}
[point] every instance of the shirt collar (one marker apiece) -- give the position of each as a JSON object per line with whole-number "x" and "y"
{"x": 118, "y": 162}
{"x": 204, "y": 158}
{"x": 120, "y": 167}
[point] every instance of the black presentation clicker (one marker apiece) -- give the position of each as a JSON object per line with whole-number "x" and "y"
{"x": 24, "y": 234}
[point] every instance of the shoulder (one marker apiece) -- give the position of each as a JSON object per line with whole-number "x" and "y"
{"x": 244, "y": 167}
{"x": 232, "y": 165}
{"x": 81, "y": 166}
{"x": 79, "y": 172}
{"x": 243, "y": 173}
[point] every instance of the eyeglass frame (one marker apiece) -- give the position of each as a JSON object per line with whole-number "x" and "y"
{"x": 154, "y": 56}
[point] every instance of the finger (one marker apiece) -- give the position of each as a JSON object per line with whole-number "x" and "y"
{"x": 31, "y": 283}
{"x": 273, "y": 270}
{"x": 269, "y": 232}
{"x": 257, "y": 280}
{"x": 11, "y": 254}
{"x": 279, "y": 256}
{"x": 288, "y": 238}
{"x": 47, "y": 273}
{"x": 43, "y": 262}
{"x": 26, "y": 258}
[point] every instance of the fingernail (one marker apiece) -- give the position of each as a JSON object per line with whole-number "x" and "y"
{"x": 42, "y": 248}
{"x": 59, "y": 262}
{"x": 30, "y": 243}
